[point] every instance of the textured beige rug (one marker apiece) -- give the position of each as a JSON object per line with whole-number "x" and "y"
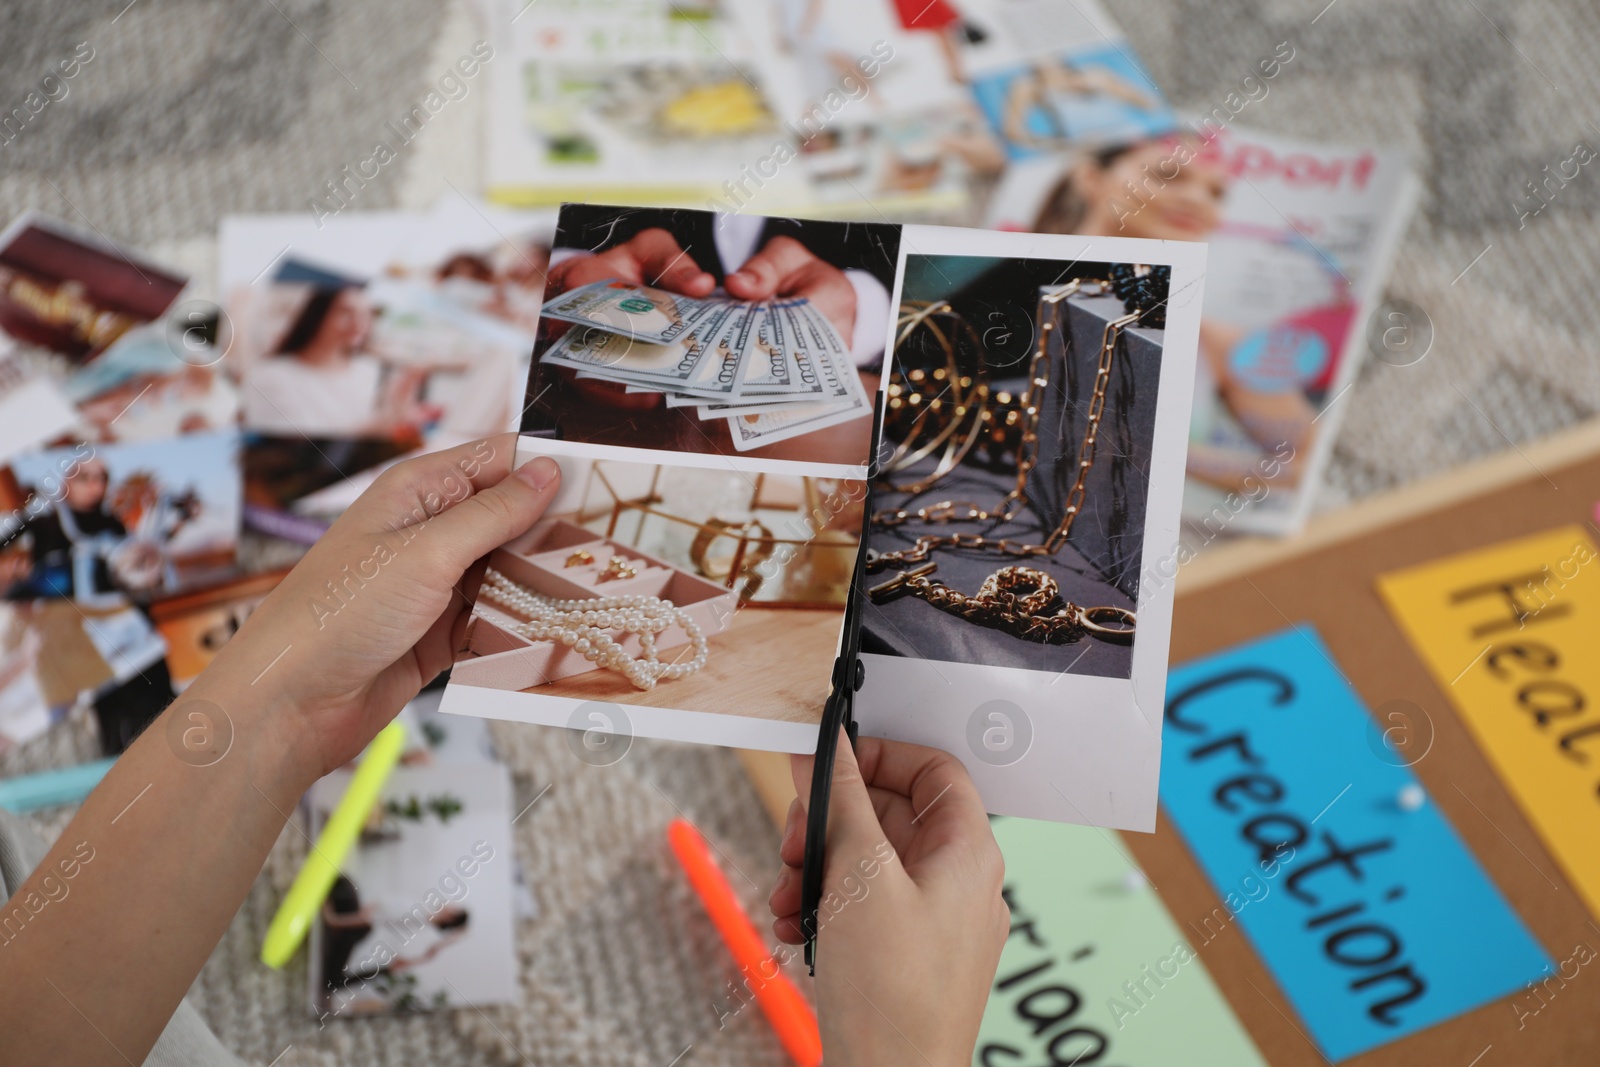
{"x": 192, "y": 109}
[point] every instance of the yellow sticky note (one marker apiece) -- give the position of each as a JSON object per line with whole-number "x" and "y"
{"x": 1512, "y": 633}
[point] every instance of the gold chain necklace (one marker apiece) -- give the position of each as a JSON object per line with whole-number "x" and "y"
{"x": 1015, "y": 599}
{"x": 997, "y": 603}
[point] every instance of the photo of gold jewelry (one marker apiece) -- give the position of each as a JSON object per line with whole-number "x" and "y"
{"x": 751, "y": 544}
{"x": 1016, "y": 600}
{"x": 617, "y": 567}
{"x": 580, "y": 558}
{"x": 1000, "y": 587}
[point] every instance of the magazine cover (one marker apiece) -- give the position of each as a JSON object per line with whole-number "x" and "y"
{"x": 1301, "y": 237}
{"x": 707, "y": 403}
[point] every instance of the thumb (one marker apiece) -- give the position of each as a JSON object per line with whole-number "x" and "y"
{"x": 494, "y": 515}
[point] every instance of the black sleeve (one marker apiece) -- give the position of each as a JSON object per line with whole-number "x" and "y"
{"x": 870, "y": 246}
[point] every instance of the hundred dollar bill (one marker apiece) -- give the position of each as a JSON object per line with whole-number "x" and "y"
{"x": 776, "y": 363}
{"x": 755, "y": 358}
{"x": 845, "y": 401}
{"x": 791, "y": 420}
{"x": 736, "y": 358}
{"x": 641, "y": 312}
{"x": 616, "y": 357}
{"x": 816, "y": 344}
{"x": 821, "y": 334}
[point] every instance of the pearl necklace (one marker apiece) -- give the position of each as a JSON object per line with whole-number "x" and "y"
{"x": 583, "y": 626}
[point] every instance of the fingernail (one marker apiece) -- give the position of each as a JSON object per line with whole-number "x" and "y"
{"x": 742, "y": 276}
{"x": 539, "y": 472}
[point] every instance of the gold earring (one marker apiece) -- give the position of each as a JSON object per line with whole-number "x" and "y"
{"x": 579, "y": 558}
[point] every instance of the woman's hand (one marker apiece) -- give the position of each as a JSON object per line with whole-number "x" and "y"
{"x": 912, "y": 921}
{"x": 377, "y": 607}
{"x": 153, "y": 867}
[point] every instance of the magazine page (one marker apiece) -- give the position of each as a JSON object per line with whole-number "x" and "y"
{"x": 907, "y": 109}
{"x": 705, "y": 384}
{"x": 1301, "y": 238}
{"x": 1062, "y": 77}
{"x": 624, "y": 102}
{"x": 874, "y": 98}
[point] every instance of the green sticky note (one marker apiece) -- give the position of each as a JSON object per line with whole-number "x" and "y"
{"x": 1095, "y": 970}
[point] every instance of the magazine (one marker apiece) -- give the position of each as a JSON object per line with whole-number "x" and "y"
{"x": 905, "y": 108}
{"x": 1302, "y": 236}
{"x": 624, "y": 102}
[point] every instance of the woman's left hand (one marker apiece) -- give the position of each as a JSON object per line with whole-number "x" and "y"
{"x": 160, "y": 856}
{"x": 377, "y": 607}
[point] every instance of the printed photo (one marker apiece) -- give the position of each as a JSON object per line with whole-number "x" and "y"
{"x": 1036, "y": 392}
{"x": 33, "y": 408}
{"x": 660, "y": 591}
{"x": 704, "y": 332}
{"x": 55, "y": 651}
{"x": 1020, "y": 416}
{"x": 1033, "y": 466}
{"x": 141, "y": 389}
{"x": 25, "y": 710}
{"x": 74, "y": 293}
{"x": 323, "y": 356}
{"x": 99, "y": 523}
{"x": 422, "y": 916}
{"x": 375, "y": 338}
{"x": 196, "y": 625}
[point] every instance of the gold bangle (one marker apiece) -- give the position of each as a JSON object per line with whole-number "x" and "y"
{"x": 758, "y": 546}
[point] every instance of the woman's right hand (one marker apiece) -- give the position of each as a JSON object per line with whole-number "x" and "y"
{"x": 912, "y": 921}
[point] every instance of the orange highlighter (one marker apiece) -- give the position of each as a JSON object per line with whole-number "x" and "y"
{"x": 785, "y": 1007}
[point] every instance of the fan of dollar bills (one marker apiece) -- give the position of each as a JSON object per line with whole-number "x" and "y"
{"x": 775, "y": 369}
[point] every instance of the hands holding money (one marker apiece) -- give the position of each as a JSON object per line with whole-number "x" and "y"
{"x": 767, "y": 355}
{"x": 783, "y": 268}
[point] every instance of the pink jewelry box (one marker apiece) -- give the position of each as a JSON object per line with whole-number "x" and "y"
{"x": 495, "y": 656}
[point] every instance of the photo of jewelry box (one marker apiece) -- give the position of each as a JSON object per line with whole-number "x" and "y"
{"x": 565, "y": 602}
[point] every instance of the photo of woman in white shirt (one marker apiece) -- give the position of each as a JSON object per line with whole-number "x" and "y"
{"x": 323, "y": 381}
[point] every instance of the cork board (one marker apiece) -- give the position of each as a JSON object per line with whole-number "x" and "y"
{"x": 1326, "y": 577}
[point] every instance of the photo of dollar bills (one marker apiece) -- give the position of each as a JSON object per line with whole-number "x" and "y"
{"x": 774, "y": 369}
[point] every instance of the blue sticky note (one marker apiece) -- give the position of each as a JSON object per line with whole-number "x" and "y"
{"x": 1350, "y": 883}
